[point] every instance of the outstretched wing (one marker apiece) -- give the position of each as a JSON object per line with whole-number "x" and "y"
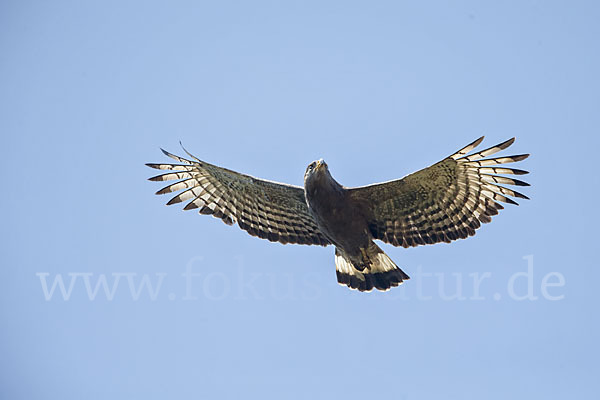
{"x": 444, "y": 202}
{"x": 269, "y": 210}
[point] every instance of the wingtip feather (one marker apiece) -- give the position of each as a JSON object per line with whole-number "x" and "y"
{"x": 467, "y": 148}
{"x": 188, "y": 153}
{"x": 174, "y": 200}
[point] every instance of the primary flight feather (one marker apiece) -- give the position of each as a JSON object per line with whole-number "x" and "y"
{"x": 441, "y": 203}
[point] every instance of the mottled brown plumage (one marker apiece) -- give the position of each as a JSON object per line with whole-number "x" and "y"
{"x": 446, "y": 201}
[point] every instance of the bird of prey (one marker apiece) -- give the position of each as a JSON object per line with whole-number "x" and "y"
{"x": 441, "y": 203}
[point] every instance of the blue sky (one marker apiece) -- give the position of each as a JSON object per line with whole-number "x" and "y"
{"x": 91, "y": 90}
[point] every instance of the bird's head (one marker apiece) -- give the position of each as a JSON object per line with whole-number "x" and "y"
{"x": 316, "y": 169}
{"x": 318, "y": 179}
{"x": 318, "y": 176}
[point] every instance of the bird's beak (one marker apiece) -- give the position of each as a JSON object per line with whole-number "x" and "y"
{"x": 320, "y": 164}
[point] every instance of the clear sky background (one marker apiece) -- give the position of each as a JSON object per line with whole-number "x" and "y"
{"x": 89, "y": 91}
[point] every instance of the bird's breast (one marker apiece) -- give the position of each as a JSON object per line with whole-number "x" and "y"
{"x": 337, "y": 216}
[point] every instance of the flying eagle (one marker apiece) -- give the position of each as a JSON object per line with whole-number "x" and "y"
{"x": 444, "y": 202}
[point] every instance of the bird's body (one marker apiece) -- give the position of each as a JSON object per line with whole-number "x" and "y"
{"x": 334, "y": 212}
{"x": 446, "y": 201}
{"x": 344, "y": 223}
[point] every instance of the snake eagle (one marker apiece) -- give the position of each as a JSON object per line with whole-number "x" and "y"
{"x": 441, "y": 203}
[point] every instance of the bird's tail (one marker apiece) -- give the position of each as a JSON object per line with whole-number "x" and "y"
{"x": 372, "y": 269}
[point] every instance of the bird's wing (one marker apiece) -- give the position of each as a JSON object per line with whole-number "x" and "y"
{"x": 444, "y": 202}
{"x": 266, "y": 209}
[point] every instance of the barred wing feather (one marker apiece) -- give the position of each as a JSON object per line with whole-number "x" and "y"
{"x": 269, "y": 210}
{"x": 446, "y": 201}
